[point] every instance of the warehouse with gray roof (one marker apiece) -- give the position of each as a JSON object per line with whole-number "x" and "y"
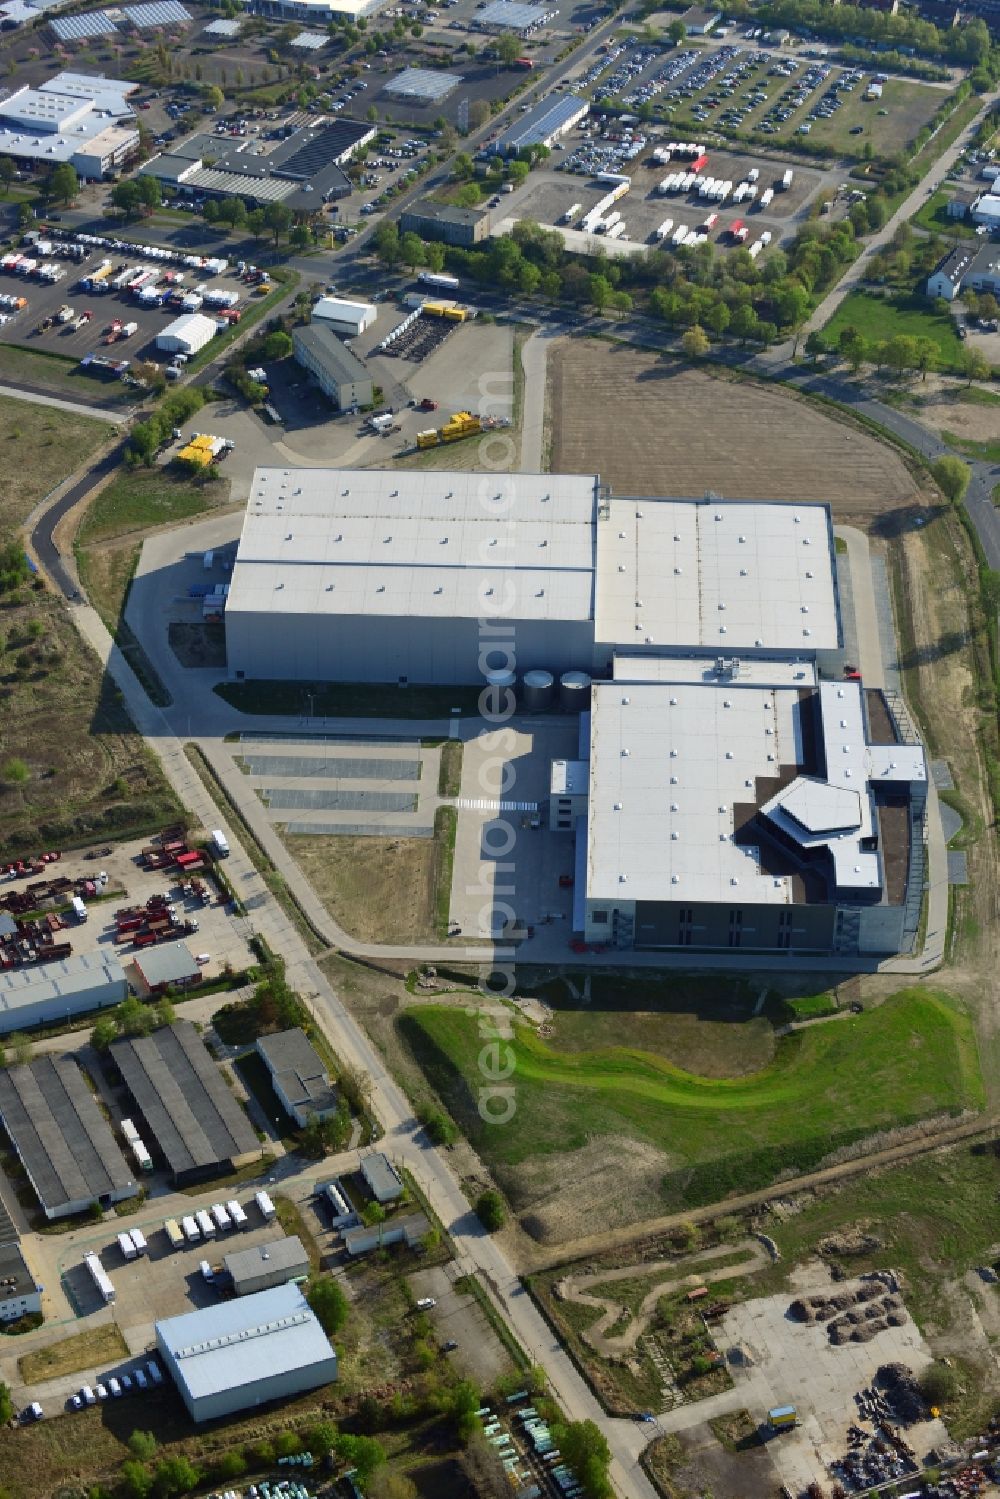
{"x": 245, "y": 1353}
{"x": 183, "y": 1099}
{"x": 53, "y": 992}
{"x": 63, "y": 1140}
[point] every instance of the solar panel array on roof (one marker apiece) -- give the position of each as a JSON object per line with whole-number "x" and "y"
{"x": 323, "y": 147}
{"x": 178, "y": 1089}
{"x": 310, "y": 41}
{"x": 222, "y": 28}
{"x": 75, "y": 28}
{"x": 159, "y": 13}
{"x": 60, "y": 1134}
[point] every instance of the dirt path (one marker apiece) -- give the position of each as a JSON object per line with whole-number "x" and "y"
{"x": 928, "y": 1137}
{"x": 572, "y": 1289}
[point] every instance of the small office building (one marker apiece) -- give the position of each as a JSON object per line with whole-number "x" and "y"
{"x": 444, "y": 222}
{"x": 298, "y": 1076}
{"x": 339, "y": 374}
{"x": 19, "y": 1294}
{"x": 381, "y": 1177}
{"x": 267, "y": 1265}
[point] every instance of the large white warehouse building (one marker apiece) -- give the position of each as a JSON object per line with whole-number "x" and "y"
{"x": 731, "y": 789}
{"x": 373, "y": 576}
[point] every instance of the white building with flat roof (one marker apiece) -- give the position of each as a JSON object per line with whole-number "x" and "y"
{"x": 79, "y": 118}
{"x": 745, "y": 809}
{"x": 381, "y": 576}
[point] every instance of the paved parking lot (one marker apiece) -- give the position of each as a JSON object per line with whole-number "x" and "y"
{"x": 548, "y": 195}
{"x": 459, "y": 1319}
{"x": 503, "y": 866}
{"x": 340, "y": 783}
{"x": 218, "y": 934}
{"x": 45, "y": 300}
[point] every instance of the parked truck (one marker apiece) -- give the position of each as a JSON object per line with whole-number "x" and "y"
{"x": 265, "y": 1206}
{"x": 138, "y": 1240}
{"x": 205, "y": 1224}
{"x": 175, "y": 1236}
{"x": 786, "y": 181}
{"x": 236, "y": 1213}
{"x": 105, "y": 1289}
{"x": 220, "y": 844}
{"x": 126, "y": 1246}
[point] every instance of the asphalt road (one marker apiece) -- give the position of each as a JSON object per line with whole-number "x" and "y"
{"x": 43, "y": 542}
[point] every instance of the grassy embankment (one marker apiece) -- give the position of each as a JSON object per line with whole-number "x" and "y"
{"x": 823, "y": 1087}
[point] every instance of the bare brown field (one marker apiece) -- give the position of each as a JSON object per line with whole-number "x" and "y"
{"x": 377, "y": 889}
{"x": 651, "y": 426}
{"x": 99, "y": 1345}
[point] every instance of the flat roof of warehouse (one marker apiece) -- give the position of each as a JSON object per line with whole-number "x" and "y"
{"x": 668, "y": 766}
{"x": 286, "y": 1253}
{"x": 352, "y": 541}
{"x": 543, "y": 120}
{"x": 720, "y": 574}
{"x": 60, "y": 1134}
{"x": 22, "y": 987}
{"x": 180, "y": 1092}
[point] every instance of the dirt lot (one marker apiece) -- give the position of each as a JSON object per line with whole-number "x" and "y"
{"x": 378, "y": 889}
{"x": 606, "y": 402}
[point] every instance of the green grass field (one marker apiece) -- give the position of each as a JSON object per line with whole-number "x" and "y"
{"x": 881, "y": 318}
{"x": 139, "y": 498}
{"x": 934, "y": 218}
{"x": 825, "y": 1086}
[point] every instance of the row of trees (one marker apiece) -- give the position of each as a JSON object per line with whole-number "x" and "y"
{"x": 131, "y": 1018}
{"x": 148, "y": 437}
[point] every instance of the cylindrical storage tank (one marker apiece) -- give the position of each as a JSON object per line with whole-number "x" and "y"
{"x": 539, "y": 690}
{"x": 501, "y": 679}
{"x": 574, "y": 691}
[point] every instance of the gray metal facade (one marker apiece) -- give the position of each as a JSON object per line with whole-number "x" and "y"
{"x": 246, "y": 1352}
{"x": 359, "y": 648}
